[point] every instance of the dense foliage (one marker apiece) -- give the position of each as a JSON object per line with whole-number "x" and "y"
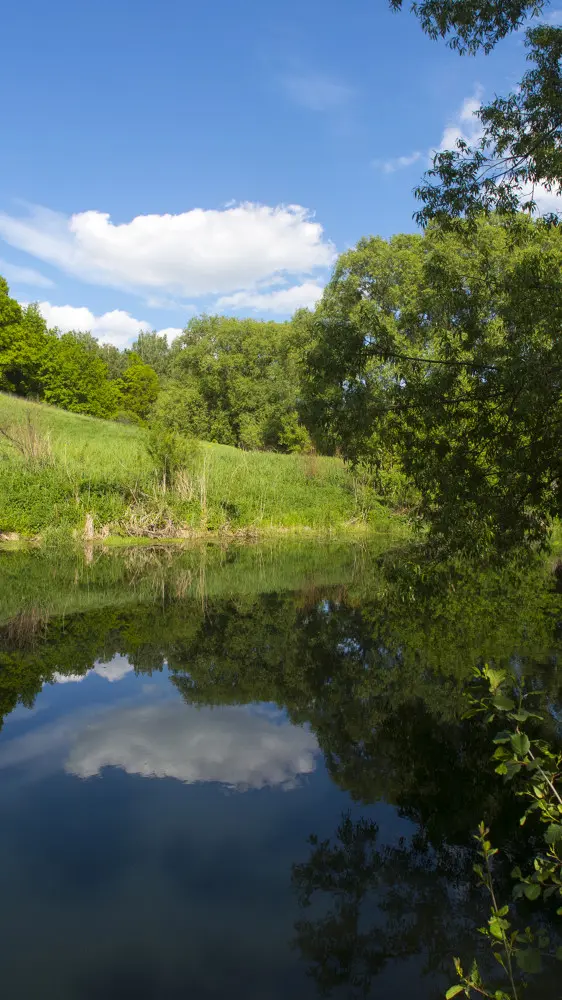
{"x": 237, "y": 382}
{"x": 442, "y": 352}
{"x": 67, "y": 370}
{"x": 226, "y": 380}
{"x": 534, "y": 767}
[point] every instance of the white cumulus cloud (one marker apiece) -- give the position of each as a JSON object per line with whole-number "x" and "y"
{"x": 116, "y": 327}
{"x": 196, "y": 253}
{"x": 115, "y": 670}
{"x": 281, "y": 301}
{"x": 229, "y": 745}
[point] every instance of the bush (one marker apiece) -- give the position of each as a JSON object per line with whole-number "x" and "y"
{"x": 171, "y": 452}
{"x": 139, "y": 387}
{"x": 127, "y": 417}
{"x": 293, "y": 436}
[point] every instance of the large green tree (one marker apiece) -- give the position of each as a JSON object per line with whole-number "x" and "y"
{"x": 445, "y": 348}
{"x": 23, "y": 340}
{"x": 138, "y": 387}
{"x": 153, "y": 349}
{"x": 245, "y": 373}
{"x": 75, "y": 378}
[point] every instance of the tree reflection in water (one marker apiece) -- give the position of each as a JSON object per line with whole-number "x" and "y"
{"x": 377, "y": 667}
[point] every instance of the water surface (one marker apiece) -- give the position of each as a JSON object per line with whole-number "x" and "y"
{"x": 245, "y": 772}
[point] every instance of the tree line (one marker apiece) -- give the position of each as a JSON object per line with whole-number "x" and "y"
{"x": 232, "y": 381}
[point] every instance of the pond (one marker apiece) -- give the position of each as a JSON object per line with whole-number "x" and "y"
{"x": 245, "y": 772}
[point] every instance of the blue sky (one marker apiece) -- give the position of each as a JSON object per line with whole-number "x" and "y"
{"x": 162, "y": 159}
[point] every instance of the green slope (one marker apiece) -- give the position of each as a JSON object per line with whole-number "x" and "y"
{"x": 59, "y": 468}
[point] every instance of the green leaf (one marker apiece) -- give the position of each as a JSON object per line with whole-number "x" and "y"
{"x": 495, "y": 677}
{"x": 497, "y": 927}
{"x": 529, "y": 960}
{"x": 532, "y": 890}
{"x": 553, "y": 833}
{"x": 503, "y": 703}
{"x": 453, "y": 991}
{"x": 559, "y": 953}
{"x": 522, "y": 715}
{"x": 503, "y": 737}
{"x": 520, "y": 744}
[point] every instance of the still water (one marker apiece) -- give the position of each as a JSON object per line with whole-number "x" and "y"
{"x": 244, "y": 773}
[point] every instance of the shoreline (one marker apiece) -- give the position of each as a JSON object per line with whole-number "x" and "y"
{"x": 393, "y": 525}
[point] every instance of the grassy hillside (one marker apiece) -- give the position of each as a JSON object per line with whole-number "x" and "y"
{"x": 60, "y": 470}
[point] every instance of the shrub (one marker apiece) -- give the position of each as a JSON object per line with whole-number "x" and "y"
{"x": 171, "y": 452}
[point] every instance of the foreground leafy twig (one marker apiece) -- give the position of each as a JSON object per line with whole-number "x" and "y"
{"x": 519, "y": 952}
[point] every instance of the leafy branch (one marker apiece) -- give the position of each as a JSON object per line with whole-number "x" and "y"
{"x": 518, "y": 951}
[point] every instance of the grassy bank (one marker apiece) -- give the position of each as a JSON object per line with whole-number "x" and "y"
{"x": 62, "y": 472}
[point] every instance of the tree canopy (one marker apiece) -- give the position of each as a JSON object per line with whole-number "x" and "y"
{"x": 443, "y": 351}
{"x": 238, "y": 382}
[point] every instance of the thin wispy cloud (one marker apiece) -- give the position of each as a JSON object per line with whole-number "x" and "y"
{"x": 280, "y": 301}
{"x": 466, "y": 125}
{"x": 17, "y": 275}
{"x": 317, "y": 91}
{"x": 398, "y": 163}
{"x": 463, "y": 124}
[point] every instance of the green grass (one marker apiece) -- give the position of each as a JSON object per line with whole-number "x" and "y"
{"x": 88, "y": 468}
